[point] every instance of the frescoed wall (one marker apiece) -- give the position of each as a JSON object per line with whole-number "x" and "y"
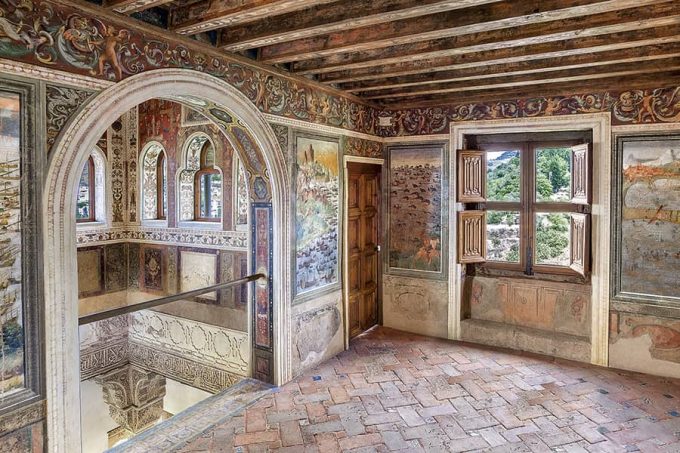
{"x": 317, "y": 209}
{"x": 415, "y": 207}
{"x": 11, "y": 309}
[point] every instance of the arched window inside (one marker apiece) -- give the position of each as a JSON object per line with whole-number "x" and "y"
{"x": 86, "y": 201}
{"x": 208, "y": 187}
{"x": 90, "y": 201}
{"x": 154, "y": 182}
{"x": 200, "y": 181}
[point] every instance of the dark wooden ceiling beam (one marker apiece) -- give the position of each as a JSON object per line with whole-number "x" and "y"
{"x": 599, "y": 24}
{"x": 617, "y": 83}
{"x": 341, "y": 15}
{"x": 406, "y": 83}
{"x": 210, "y": 15}
{"x": 556, "y": 49}
{"x": 133, "y": 6}
{"x": 504, "y": 14}
{"x": 555, "y": 76}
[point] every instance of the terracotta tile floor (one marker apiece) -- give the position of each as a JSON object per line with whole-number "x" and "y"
{"x": 395, "y": 391}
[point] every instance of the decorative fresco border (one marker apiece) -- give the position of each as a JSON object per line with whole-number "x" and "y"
{"x": 94, "y": 43}
{"x": 658, "y": 105}
{"x": 229, "y": 240}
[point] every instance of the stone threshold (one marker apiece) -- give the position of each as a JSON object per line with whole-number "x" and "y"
{"x": 178, "y": 431}
{"x": 498, "y": 334}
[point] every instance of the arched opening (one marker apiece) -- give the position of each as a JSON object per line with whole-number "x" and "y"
{"x": 257, "y": 147}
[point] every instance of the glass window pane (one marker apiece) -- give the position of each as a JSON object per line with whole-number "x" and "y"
{"x": 502, "y": 236}
{"x": 211, "y": 196}
{"x": 552, "y": 239}
{"x": 503, "y": 175}
{"x": 83, "y": 204}
{"x": 553, "y": 174}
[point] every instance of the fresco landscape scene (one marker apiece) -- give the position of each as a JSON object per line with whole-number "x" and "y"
{"x": 650, "y": 223}
{"x": 416, "y": 209}
{"x": 316, "y": 216}
{"x": 11, "y": 319}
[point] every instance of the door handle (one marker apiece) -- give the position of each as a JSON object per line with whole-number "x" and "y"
{"x": 377, "y": 248}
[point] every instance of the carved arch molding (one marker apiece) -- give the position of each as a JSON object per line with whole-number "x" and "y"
{"x": 263, "y": 161}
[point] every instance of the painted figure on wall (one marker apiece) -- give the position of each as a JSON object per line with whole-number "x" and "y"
{"x": 650, "y": 217}
{"x": 11, "y": 313}
{"x": 316, "y": 213}
{"x": 416, "y": 208}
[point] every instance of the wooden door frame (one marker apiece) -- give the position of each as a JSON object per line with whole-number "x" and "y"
{"x": 345, "y": 254}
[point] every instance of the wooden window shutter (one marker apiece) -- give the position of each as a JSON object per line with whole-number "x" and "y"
{"x": 579, "y": 244}
{"x": 471, "y": 237}
{"x": 581, "y": 174}
{"x": 581, "y": 187}
{"x": 471, "y": 176}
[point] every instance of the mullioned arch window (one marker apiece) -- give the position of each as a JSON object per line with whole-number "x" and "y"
{"x": 90, "y": 199}
{"x": 154, "y": 182}
{"x": 200, "y": 182}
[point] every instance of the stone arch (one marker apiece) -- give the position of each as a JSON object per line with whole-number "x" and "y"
{"x": 256, "y": 145}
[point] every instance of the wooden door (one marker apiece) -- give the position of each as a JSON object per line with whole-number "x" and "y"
{"x": 363, "y": 241}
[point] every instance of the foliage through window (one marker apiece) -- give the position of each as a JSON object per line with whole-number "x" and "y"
{"x": 529, "y": 204}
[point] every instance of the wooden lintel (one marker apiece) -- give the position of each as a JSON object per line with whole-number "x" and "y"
{"x": 133, "y": 6}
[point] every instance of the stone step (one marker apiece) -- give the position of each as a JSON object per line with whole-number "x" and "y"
{"x": 176, "y": 432}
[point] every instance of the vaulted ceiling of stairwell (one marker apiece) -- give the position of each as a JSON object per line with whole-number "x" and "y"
{"x": 417, "y": 53}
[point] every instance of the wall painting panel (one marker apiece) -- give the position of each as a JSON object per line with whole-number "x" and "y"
{"x": 317, "y": 214}
{"x": 417, "y": 175}
{"x": 647, "y": 219}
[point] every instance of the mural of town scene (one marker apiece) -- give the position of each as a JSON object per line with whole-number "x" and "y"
{"x": 416, "y": 208}
{"x": 316, "y": 213}
{"x": 11, "y": 320}
{"x": 650, "y": 223}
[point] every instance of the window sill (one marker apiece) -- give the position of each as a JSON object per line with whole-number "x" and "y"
{"x": 153, "y": 223}
{"x": 82, "y": 226}
{"x": 198, "y": 225}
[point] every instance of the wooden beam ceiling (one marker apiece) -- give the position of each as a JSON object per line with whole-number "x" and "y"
{"x": 210, "y": 15}
{"x": 338, "y": 16}
{"x": 413, "y": 53}
{"x": 560, "y": 30}
{"x": 506, "y": 14}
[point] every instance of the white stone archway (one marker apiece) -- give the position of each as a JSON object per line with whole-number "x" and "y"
{"x": 59, "y": 230}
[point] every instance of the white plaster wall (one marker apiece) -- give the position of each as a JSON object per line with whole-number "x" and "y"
{"x": 317, "y": 330}
{"x": 179, "y": 397}
{"x": 95, "y": 420}
{"x": 633, "y": 354}
{"x": 416, "y": 305}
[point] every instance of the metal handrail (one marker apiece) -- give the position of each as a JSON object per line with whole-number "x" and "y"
{"x": 165, "y": 300}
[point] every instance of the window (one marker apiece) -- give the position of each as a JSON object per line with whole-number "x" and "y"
{"x": 526, "y": 206}
{"x": 208, "y": 187}
{"x": 85, "y": 203}
{"x": 154, "y": 182}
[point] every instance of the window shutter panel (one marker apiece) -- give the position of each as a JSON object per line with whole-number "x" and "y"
{"x": 581, "y": 174}
{"x": 471, "y": 176}
{"x": 471, "y": 237}
{"x": 579, "y": 246}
